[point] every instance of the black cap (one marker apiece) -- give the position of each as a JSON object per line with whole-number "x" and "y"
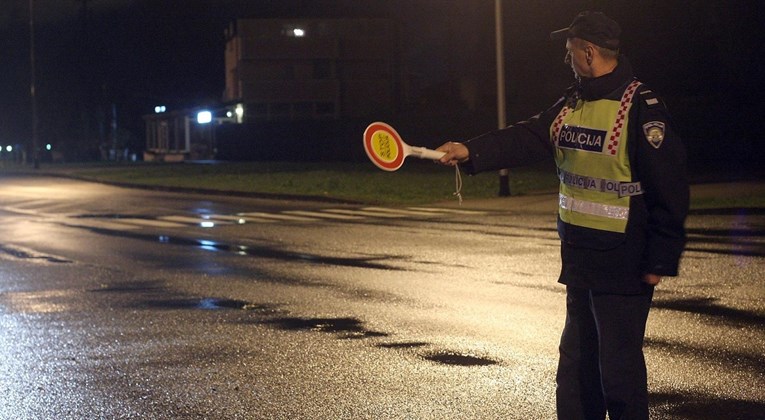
{"x": 595, "y": 27}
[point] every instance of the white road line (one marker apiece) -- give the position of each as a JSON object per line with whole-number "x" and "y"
{"x": 192, "y": 220}
{"x": 238, "y": 220}
{"x": 152, "y": 223}
{"x": 51, "y": 208}
{"x": 100, "y": 224}
{"x": 452, "y": 211}
{"x": 253, "y": 219}
{"x": 182, "y": 219}
{"x": 278, "y": 216}
{"x": 325, "y": 214}
{"x": 27, "y": 204}
{"x": 176, "y": 221}
{"x": 367, "y": 213}
{"x": 12, "y": 209}
{"x": 400, "y": 212}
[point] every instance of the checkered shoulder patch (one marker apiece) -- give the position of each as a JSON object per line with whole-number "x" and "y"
{"x": 621, "y": 115}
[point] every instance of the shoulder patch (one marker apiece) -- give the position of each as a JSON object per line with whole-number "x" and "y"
{"x": 654, "y": 133}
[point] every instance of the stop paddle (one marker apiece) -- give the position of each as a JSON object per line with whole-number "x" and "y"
{"x": 387, "y": 150}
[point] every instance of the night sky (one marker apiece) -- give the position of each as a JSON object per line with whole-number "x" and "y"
{"x": 96, "y": 56}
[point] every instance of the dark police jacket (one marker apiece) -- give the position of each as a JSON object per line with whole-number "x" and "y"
{"x": 654, "y": 239}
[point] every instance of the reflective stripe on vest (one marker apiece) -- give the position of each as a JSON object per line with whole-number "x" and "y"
{"x": 593, "y": 209}
{"x": 621, "y": 189}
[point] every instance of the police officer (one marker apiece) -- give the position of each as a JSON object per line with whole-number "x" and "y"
{"x": 623, "y": 199}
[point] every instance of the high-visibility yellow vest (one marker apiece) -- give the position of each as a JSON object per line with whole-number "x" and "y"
{"x": 590, "y": 140}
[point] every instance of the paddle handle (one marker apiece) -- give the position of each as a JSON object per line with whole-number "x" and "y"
{"x": 424, "y": 153}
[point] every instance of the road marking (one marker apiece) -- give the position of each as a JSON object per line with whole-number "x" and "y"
{"x": 53, "y": 208}
{"x": 210, "y": 220}
{"x": 193, "y": 220}
{"x": 152, "y": 223}
{"x": 238, "y": 220}
{"x": 400, "y": 212}
{"x": 451, "y": 211}
{"x": 100, "y": 224}
{"x": 325, "y": 214}
{"x": 32, "y": 203}
{"x": 277, "y": 216}
{"x": 362, "y": 213}
{"x": 12, "y": 209}
{"x": 253, "y": 219}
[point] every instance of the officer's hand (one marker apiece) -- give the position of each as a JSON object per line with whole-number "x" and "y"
{"x": 652, "y": 279}
{"x": 455, "y": 153}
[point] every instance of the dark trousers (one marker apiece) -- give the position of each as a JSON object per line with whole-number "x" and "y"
{"x": 601, "y": 367}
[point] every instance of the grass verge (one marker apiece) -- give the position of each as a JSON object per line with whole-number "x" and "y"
{"x": 417, "y": 182}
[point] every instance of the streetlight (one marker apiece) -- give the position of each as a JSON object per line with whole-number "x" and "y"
{"x": 504, "y": 181}
{"x": 501, "y": 113}
{"x": 32, "y": 93}
{"x": 204, "y": 117}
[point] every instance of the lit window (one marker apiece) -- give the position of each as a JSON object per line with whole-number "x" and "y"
{"x": 239, "y": 110}
{"x": 293, "y": 31}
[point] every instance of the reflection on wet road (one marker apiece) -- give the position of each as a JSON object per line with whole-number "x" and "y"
{"x": 135, "y": 304}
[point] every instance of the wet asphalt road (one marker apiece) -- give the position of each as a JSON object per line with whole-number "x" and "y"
{"x": 120, "y": 303}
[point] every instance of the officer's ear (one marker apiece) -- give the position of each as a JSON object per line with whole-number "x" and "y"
{"x": 589, "y": 52}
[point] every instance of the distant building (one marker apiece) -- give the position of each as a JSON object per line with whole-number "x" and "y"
{"x": 308, "y": 69}
{"x": 185, "y": 134}
{"x": 287, "y": 70}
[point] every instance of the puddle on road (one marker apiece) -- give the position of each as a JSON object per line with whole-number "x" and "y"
{"x": 726, "y": 358}
{"x": 459, "y": 359}
{"x": 204, "y": 303}
{"x": 348, "y": 328}
{"x": 150, "y": 294}
{"x": 345, "y": 328}
{"x": 353, "y": 328}
{"x": 693, "y": 405}
{"x": 250, "y": 250}
{"x": 29, "y": 254}
{"x": 207, "y": 304}
{"x": 404, "y": 345}
{"x": 132, "y": 287}
{"x": 712, "y": 308}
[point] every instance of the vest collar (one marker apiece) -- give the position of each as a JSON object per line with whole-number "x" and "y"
{"x": 600, "y": 87}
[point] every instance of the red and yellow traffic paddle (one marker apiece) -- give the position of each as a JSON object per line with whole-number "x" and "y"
{"x": 387, "y": 150}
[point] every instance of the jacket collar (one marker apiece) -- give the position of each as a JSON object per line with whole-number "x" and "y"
{"x": 600, "y": 87}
